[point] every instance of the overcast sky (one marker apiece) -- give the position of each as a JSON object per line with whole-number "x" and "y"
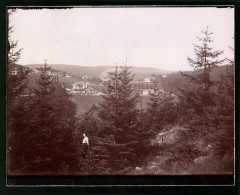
{"x": 150, "y": 37}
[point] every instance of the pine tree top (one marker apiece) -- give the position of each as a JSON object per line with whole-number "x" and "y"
{"x": 205, "y": 56}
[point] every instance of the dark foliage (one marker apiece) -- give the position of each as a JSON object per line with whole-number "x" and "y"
{"x": 195, "y": 112}
{"x": 119, "y": 140}
{"x": 161, "y": 111}
{"x": 40, "y": 127}
{"x": 210, "y": 104}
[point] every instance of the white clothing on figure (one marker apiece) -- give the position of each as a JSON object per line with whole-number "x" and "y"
{"x": 85, "y": 140}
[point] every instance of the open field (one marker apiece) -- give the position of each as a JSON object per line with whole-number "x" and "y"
{"x": 85, "y": 102}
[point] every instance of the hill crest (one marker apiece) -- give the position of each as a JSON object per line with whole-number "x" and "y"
{"x": 97, "y": 71}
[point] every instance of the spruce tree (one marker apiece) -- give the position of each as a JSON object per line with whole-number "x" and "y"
{"x": 16, "y": 75}
{"x": 39, "y": 129}
{"x": 206, "y": 59}
{"x": 153, "y": 110}
{"x": 109, "y": 111}
{"x": 17, "y": 83}
{"x": 222, "y": 116}
{"x": 119, "y": 119}
{"x": 127, "y": 103}
{"x": 43, "y": 96}
{"x": 62, "y": 140}
{"x": 212, "y": 102}
{"x": 50, "y": 145}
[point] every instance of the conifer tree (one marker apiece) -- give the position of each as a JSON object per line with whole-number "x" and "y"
{"x": 153, "y": 110}
{"x": 38, "y": 131}
{"x": 206, "y": 59}
{"x": 222, "y": 116}
{"x": 16, "y": 74}
{"x": 49, "y": 135}
{"x": 127, "y": 101}
{"x": 62, "y": 140}
{"x": 17, "y": 81}
{"x": 119, "y": 118}
{"x": 110, "y": 108}
{"x": 211, "y": 101}
{"x": 43, "y": 95}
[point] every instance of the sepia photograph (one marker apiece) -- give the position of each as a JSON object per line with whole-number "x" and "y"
{"x": 120, "y": 91}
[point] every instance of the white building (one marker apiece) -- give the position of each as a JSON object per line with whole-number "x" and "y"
{"x": 105, "y": 79}
{"x": 147, "y": 80}
{"x": 50, "y": 73}
{"x": 85, "y": 85}
{"x": 145, "y": 92}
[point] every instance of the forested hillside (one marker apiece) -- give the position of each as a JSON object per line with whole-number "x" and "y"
{"x": 175, "y": 80}
{"x": 128, "y": 134}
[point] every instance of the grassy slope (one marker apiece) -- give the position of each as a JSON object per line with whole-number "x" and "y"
{"x": 182, "y": 152}
{"x": 197, "y": 153}
{"x": 84, "y": 103}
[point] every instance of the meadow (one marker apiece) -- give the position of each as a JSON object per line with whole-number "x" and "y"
{"x": 85, "y": 102}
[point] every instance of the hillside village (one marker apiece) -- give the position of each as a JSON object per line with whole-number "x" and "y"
{"x": 84, "y": 85}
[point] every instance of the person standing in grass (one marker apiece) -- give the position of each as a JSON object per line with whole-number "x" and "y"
{"x": 85, "y": 144}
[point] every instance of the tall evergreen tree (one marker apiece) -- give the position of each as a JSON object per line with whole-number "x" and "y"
{"x": 17, "y": 81}
{"x": 16, "y": 74}
{"x": 62, "y": 140}
{"x": 153, "y": 109}
{"x": 127, "y": 105}
{"x": 222, "y": 116}
{"x": 118, "y": 113}
{"x": 110, "y": 108}
{"x": 212, "y": 102}
{"x": 206, "y": 59}
{"x": 49, "y": 143}
{"x": 38, "y": 130}
{"x": 43, "y": 96}
{"x": 119, "y": 108}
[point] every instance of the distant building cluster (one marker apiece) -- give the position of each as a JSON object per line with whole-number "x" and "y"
{"x": 146, "y": 92}
{"x": 152, "y": 79}
{"x": 53, "y": 73}
{"x": 149, "y": 79}
{"x": 105, "y": 79}
{"x": 82, "y": 88}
